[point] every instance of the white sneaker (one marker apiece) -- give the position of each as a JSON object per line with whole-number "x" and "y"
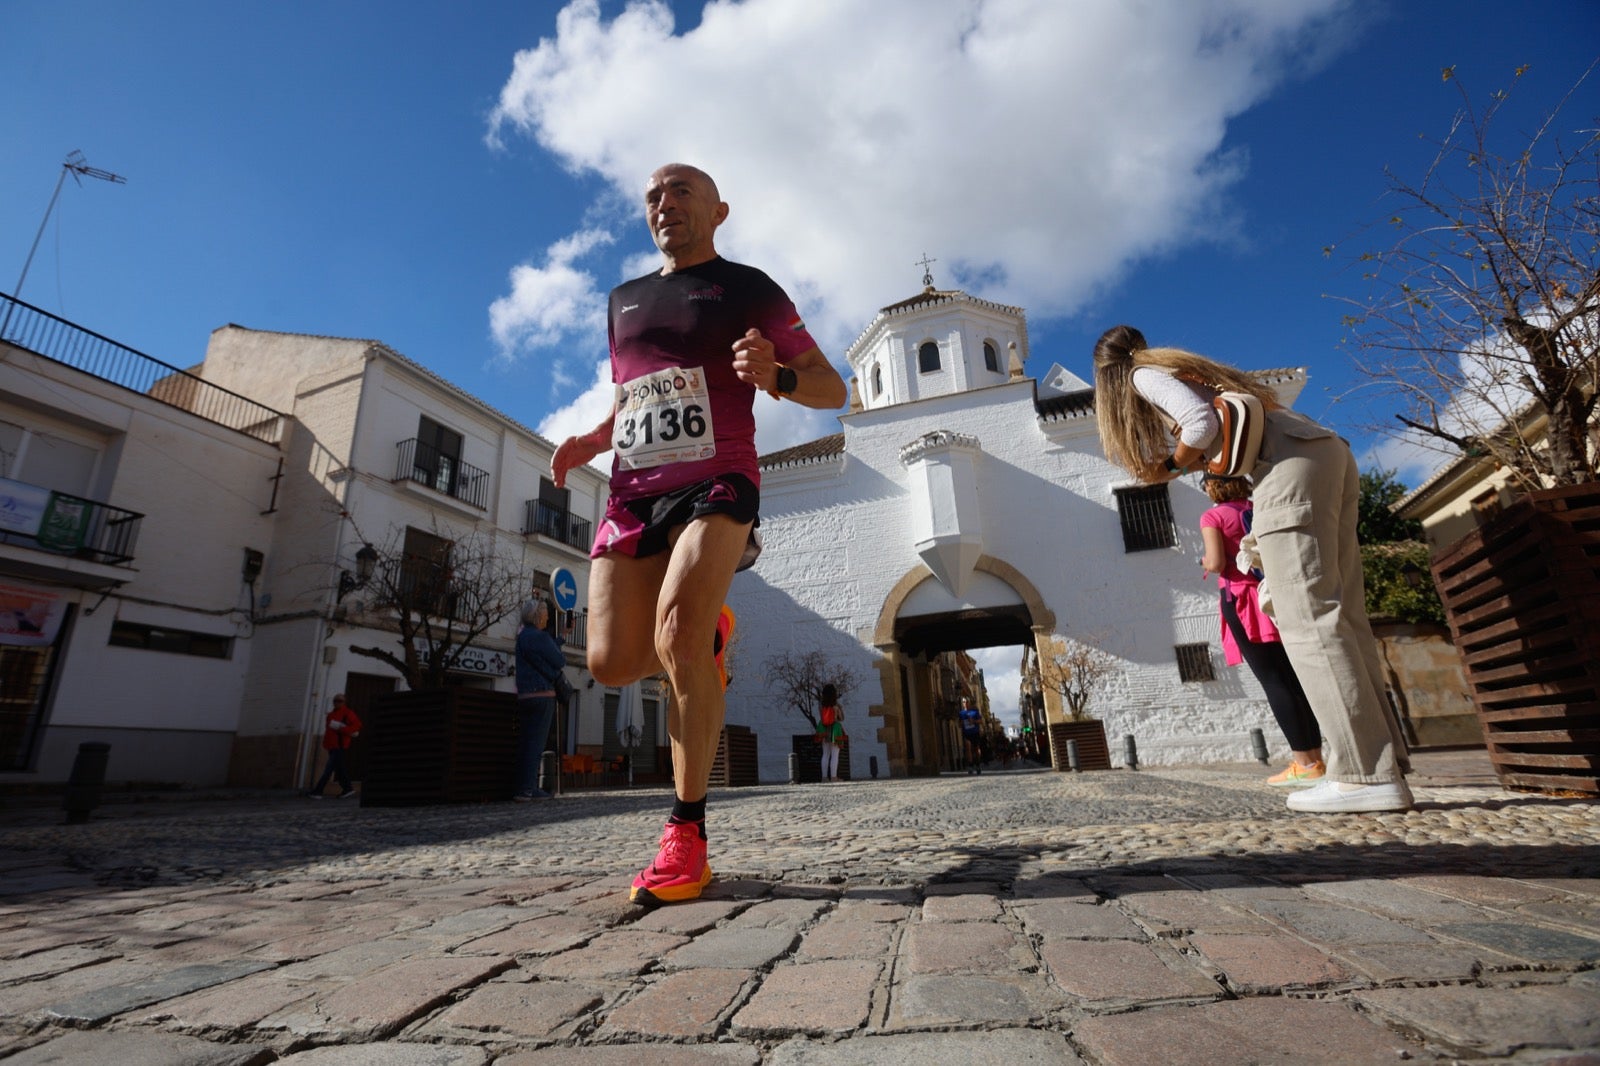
{"x": 1335, "y": 797}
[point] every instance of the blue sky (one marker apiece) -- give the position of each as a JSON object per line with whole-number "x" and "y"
{"x": 461, "y": 180}
{"x": 342, "y": 168}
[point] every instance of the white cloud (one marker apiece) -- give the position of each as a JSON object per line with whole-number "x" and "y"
{"x": 549, "y": 304}
{"x": 1033, "y": 147}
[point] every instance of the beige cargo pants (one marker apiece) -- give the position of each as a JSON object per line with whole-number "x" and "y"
{"x": 1307, "y": 489}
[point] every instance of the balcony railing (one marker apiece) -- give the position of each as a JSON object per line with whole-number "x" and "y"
{"x": 578, "y": 637}
{"x": 427, "y": 465}
{"x": 71, "y": 345}
{"x": 84, "y": 529}
{"x": 553, "y": 522}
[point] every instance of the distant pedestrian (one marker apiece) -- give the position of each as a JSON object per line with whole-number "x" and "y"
{"x": 971, "y": 721}
{"x": 830, "y": 732}
{"x": 539, "y": 660}
{"x": 340, "y": 729}
{"x": 1250, "y": 636}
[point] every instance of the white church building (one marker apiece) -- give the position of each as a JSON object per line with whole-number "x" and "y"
{"x": 965, "y": 506}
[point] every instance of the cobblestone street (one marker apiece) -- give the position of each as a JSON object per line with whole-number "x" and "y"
{"x": 1170, "y": 915}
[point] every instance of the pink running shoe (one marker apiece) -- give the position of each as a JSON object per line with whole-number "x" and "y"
{"x": 680, "y": 870}
{"x": 725, "y": 622}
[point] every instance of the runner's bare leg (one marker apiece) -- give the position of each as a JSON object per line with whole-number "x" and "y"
{"x": 623, "y": 594}
{"x": 704, "y": 556}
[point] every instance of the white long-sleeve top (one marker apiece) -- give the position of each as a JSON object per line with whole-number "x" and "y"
{"x": 1187, "y": 405}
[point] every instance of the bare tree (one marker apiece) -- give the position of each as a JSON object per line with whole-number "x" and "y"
{"x": 439, "y": 593}
{"x": 1482, "y": 317}
{"x": 1077, "y": 670}
{"x": 799, "y": 680}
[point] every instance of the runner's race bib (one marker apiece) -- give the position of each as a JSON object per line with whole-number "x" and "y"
{"x": 663, "y": 418}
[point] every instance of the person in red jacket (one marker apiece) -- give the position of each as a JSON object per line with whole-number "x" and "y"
{"x": 341, "y": 728}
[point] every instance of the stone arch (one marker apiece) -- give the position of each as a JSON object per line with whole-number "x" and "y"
{"x": 1042, "y": 617}
{"x": 895, "y": 728}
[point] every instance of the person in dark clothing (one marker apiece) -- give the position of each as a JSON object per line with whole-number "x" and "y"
{"x": 539, "y": 660}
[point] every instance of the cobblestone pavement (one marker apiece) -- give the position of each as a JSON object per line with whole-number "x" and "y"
{"x": 1160, "y": 916}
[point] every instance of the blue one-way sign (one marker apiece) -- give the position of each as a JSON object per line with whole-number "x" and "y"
{"x": 565, "y": 588}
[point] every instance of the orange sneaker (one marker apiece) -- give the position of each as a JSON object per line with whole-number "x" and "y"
{"x": 1295, "y": 775}
{"x": 680, "y": 869}
{"x": 719, "y": 646}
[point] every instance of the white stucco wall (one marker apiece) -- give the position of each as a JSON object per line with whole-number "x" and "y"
{"x": 837, "y": 542}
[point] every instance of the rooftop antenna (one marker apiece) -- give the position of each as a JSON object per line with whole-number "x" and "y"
{"x": 79, "y": 168}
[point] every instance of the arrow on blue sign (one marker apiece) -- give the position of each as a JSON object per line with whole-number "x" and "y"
{"x": 565, "y": 588}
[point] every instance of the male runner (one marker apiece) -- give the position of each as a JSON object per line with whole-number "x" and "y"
{"x": 690, "y": 345}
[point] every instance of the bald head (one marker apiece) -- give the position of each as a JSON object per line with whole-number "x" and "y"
{"x": 683, "y": 209}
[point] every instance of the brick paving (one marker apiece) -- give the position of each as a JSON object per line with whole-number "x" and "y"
{"x": 1176, "y": 915}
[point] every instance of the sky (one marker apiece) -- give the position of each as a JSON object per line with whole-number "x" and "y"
{"x": 463, "y": 181}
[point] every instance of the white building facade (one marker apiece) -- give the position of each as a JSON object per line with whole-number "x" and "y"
{"x": 206, "y": 611}
{"x": 963, "y": 506}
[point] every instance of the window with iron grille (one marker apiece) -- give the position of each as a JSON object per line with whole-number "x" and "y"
{"x": 1194, "y": 662}
{"x": 1146, "y": 513}
{"x": 425, "y": 573}
{"x": 438, "y": 456}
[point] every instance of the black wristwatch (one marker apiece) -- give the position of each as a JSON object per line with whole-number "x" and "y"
{"x": 788, "y": 380}
{"x": 1171, "y": 465}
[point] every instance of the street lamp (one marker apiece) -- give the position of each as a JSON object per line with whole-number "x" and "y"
{"x": 1411, "y": 574}
{"x": 366, "y": 562}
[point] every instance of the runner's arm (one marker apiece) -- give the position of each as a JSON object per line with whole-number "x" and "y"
{"x": 817, "y": 384}
{"x": 575, "y": 451}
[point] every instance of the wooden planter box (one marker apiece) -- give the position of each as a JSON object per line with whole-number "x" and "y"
{"x": 1522, "y": 596}
{"x": 452, "y": 745}
{"x": 810, "y": 759}
{"x": 1093, "y": 752}
{"x": 736, "y": 762}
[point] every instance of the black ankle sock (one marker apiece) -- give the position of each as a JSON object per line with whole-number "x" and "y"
{"x": 685, "y": 811}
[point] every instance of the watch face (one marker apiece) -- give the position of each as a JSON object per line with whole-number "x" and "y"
{"x": 787, "y": 379}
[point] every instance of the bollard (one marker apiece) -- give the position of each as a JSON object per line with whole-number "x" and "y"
{"x": 794, "y": 768}
{"x": 872, "y": 764}
{"x": 1072, "y": 755}
{"x": 1130, "y": 751}
{"x": 88, "y": 775}
{"x": 1258, "y": 745}
{"x": 549, "y": 776}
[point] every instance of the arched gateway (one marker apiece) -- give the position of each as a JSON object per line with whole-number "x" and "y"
{"x": 919, "y": 619}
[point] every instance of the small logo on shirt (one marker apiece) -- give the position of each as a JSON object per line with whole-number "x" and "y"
{"x": 627, "y": 307}
{"x": 713, "y": 293}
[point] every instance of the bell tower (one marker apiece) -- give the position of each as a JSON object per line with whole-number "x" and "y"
{"x": 938, "y": 342}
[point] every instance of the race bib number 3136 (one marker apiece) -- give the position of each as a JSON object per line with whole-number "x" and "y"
{"x": 662, "y": 418}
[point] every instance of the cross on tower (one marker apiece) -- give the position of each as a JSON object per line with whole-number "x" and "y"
{"x": 927, "y": 275}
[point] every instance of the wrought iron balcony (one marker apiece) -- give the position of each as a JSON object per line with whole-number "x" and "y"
{"x": 71, "y": 345}
{"x": 553, "y": 522}
{"x": 427, "y": 465}
{"x": 69, "y": 525}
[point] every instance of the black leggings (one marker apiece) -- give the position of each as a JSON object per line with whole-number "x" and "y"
{"x": 1270, "y": 663}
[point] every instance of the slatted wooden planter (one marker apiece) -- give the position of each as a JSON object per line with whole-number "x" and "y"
{"x": 736, "y": 762}
{"x": 454, "y": 745}
{"x": 1093, "y": 751}
{"x": 1522, "y": 596}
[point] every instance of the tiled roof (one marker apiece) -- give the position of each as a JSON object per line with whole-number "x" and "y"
{"x": 812, "y": 451}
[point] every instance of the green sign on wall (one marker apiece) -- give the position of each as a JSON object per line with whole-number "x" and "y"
{"x": 65, "y": 523}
